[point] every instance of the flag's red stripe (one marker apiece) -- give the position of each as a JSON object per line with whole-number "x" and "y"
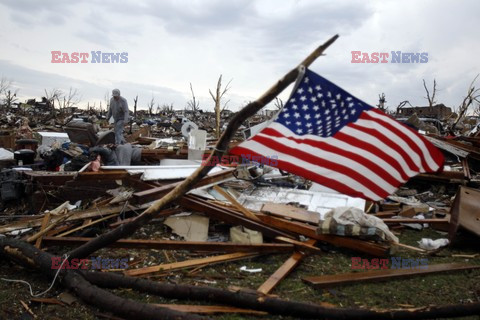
{"x": 401, "y": 135}
{"x": 380, "y": 171}
{"x": 394, "y": 162}
{"x": 436, "y": 154}
{"x": 371, "y": 148}
{"x": 323, "y": 180}
{"x": 382, "y": 137}
{"x": 331, "y": 165}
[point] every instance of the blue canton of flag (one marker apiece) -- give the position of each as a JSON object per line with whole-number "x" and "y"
{"x": 319, "y": 107}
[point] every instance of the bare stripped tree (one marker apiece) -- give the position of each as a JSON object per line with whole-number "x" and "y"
{"x": 8, "y": 96}
{"x": 278, "y": 103}
{"x": 473, "y": 95}
{"x": 381, "y": 102}
{"x": 431, "y": 99}
{"x": 193, "y": 104}
{"x": 5, "y": 84}
{"x": 166, "y": 108}
{"x": 72, "y": 98}
{"x": 217, "y": 98}
{"x": 134, "y": 112}
{"x": 150, "y": 106}
{"x": 135, "y": 107}
{"x": 52, "y": 96}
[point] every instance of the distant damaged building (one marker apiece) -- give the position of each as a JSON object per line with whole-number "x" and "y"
{"x": 439, "y": 111}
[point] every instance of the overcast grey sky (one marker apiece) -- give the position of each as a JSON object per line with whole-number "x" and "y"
{"x": 172, "y": 43}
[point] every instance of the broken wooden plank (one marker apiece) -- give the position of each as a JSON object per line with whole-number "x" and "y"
{"x": 235, "y": 203}
{"x": 299, "y": 245}
{"x": 47, "y": 301}
{"x": 46, "y": 219}
{"x": 78, "y": 215}
{"x": 283, "y": 271}
{"x": 211, "y": 309}
{"x": 384, "y": 274}
{"x": 158, "y": 192}
{"x": 53, "y": 223}
{"x": 87, "y": 225}
{"x": 228, "y": 215}
{"x": 162, "y": 213}
{"x": 190, "y": 263}
{"x": 412, "y": 220}
{"x": 176, "y": 245}
{"x": 311, "y": 232}
{"x": 291, "y": 212}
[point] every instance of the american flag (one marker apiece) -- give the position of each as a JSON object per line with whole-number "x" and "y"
{"x": 326, "y": 135}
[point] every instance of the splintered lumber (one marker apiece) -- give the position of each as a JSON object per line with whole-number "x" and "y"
{"x": 39, "y": 234}
{"x": 45, "y": 221}
{"x": 158, "y": 192}
{"x": 210, "y": 309}
{"x": 287, "y": 211}
{"x": 384, "y": 274}
{"x": 87, "y": 225}
{"x": 237, "y": 205}
{"x": 306, "y": 245}
{"x": 190, "y": 263}
{"x": 228, "y": 215}
{"x": 412, "y": 220}
{"x": 77, "y": 215}
{"x": 371, "y": 248}
{"x": 177, "y": 245}
{"x": 283, "y": 271}
{"x": 47, "y": 301}
{"x": 163, "y": 213}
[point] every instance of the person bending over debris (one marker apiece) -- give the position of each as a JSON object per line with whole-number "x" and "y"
{"x": 119, "y": 110}
{"x": 111, "y": 155}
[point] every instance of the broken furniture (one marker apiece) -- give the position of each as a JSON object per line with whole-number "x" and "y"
{"x": 84, "y": 133}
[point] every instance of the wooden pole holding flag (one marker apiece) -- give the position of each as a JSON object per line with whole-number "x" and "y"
{"x": 222, "y": 144}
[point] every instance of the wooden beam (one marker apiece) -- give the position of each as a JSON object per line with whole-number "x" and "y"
{"x": 158, "y": 192}
{"x": 177, "y": 245}
{"x": 291, "y": 212}
{"x": 190, "y": 263}
{"x": 228, "y": 215}
{"x": 45, "y": 221}
{"x": 299, "y": 245}
{"x": 53, "y": 223}
{"x": 77, "y": 215}
{"x": 87, "y": 225}
{"x": 371, "y": 248}
{"x": 384, "y": 274}
{"x": 283, "y": 271}
{"x": 211, "y": 309}
{"x": 412, "y": 220}
{"x": 235, "y": 203}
